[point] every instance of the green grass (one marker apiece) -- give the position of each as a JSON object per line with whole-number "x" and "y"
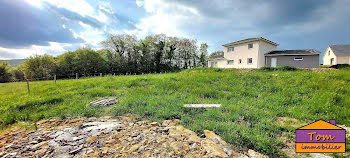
{"x": 251, "y": 101}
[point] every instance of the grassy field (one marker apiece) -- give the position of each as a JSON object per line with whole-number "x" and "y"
{"x": 251, "y": 101}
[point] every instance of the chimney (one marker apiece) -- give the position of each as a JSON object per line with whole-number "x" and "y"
{"x": 332, "y": 122}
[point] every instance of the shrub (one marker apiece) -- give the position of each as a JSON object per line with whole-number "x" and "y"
{"x": 324, "y": 66}
{"x": 287, "y": 68}
{"x": 267, "y": 68}
{"x": 5, "y": 76}
{"x": 340, "y": 66}
{"x": 278, "y": 68}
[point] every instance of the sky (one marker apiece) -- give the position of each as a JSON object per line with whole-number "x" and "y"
{"x": 29, "y": 27}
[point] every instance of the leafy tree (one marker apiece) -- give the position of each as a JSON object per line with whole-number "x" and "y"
{"x": 5, "y": 75}
{"x": 204, "y": 53}
{"x": 18, "y": 73}
{"x": 216, "y": 53}
{"x": 83, "y": 61}
{"x": 39, "y": 67}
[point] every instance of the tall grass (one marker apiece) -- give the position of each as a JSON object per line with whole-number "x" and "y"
{"x": 251, "y": 102}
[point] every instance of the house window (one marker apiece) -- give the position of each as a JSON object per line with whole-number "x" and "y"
{"x": 250, "y": 60}
{"x": 298, "y": 58}
{"x": 240, "y": 61}
{"x": 231, "y": 49}
{"x": 329, "y": 53}
{"x": 250, "y": 45}
{"x": 229, "y": 62}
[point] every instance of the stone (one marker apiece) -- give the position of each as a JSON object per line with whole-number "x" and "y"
{"x": 134, "y": 147}
{"x": 91, "y": 140}
{"x": 254, "y": 154}
{"x": 213, "y": 149}
{"x": 36, "y": 146}
{"x": 75, "y": 151}
{"x": 217, "y": 139}
{"x": 154, "y": 124}
{"x": 194, "y": 139}
{"x": 126, "y": 136}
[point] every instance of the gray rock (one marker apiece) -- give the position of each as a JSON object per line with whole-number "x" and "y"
{"x": 75, "y": 151}
{"x": 66, "y": 137}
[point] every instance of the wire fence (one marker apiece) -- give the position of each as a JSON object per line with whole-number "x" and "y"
{"x": 78, "y": 76}
{"x": 81, "y": 76}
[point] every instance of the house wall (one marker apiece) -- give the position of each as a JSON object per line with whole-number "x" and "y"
{"x": 309, "y": 61}
{"x": 220, "y": 63}
{"x": 327, "y": 58}
{"x": 264, "y": 48}
{"x": 242, "y": 52}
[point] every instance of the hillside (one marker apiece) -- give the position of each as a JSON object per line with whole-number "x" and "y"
{"x": 13, "y": 62}
{"x": 253, "y": 103}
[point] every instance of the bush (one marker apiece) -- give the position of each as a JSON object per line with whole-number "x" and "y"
{"x": 209, "y": 69}
{"x": 340, "y": 66}
{"x": 324, "y": 66}
{"x": 5, "y": 76}
{"x": 18, "y": 74}
{"x": 278, "y": 68}
{"x": 287, "y": 68}
{"x": 267, "y": 68}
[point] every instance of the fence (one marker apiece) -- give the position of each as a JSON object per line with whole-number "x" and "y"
{"x": 78, "y": 76}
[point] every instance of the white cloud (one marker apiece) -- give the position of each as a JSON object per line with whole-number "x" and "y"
{"x": 166, "y": 17}
{"x": 52, "y": 48}
{"x": 84, "y": 25}
{"x": 139, "y": 3}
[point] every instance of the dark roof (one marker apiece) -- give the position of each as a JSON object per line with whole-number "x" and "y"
{"x": 293, "y": 52}
{"x": 251, "y": 40}
{"x": 341, "y": 50}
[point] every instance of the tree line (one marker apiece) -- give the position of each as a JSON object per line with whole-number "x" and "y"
{"x": 120, "y": 54}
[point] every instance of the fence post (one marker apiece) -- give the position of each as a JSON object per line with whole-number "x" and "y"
{"x": 54, "y": 77}
{"x": 76, "y": 75}
{"x": 28, "y": 86}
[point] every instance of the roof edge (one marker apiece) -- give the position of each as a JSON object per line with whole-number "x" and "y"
{"x": 250, "y": 40}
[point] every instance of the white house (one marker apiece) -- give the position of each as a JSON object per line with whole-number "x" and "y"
{"x": 337, "y": 54}
{"x": 259, "y": 52}
{"x": 247, "y": 53}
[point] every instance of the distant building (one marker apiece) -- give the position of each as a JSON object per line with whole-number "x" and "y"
{"x": 308, "y": 58}
{"x": 247, "y": 53}
{"x": 259, "y": 52}
{"x": 337, "y": 54}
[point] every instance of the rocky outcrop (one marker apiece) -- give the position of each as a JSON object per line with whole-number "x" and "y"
{"x": 125, "y": 136}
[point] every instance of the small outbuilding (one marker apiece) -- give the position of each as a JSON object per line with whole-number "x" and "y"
{"x": 305, "y": 58}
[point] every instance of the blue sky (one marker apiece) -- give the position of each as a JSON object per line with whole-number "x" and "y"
{"x": 30, "y": 27}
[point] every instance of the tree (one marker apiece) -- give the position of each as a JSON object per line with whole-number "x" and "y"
{"x": 216, "y": 53}
{"x": 5, "y": 76}
{"x": 17, "y": 73}
{"x": 83, "y": 61}
{"x": 203, "y": 54}
{"x": 39, "y": 67}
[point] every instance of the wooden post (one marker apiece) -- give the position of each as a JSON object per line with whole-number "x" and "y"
{"x": 28, "y": 86}
{"x": 100, "y": 74}
{"x": 76, "y": 75}
{"x": 54, "y": 77}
